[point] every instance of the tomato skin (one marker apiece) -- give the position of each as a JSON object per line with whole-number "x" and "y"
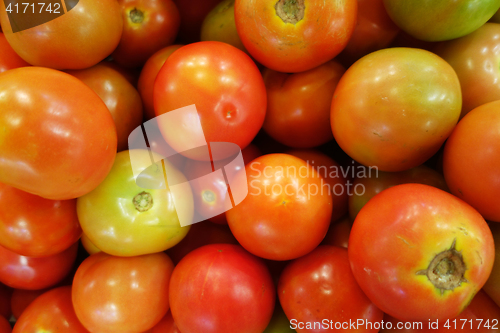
{"x": 165, "y": 325}
{"x": 436, "y": 21}
{"x": 205, "y": 291}
{"x": 192, "y": 13}
{"x": 52, "y": 312}
{"x": 317, "y": 38}
{"x": 31, "y": 273}
{"x": 149, "y": 25}
{"x": 104, "y": 285}
{"x": 34, "y": 226}
{"x": 62, "y": 43}
{"x": 492, "y": 286}
{"x": 338, "y": 233}
{"x": 22, "y": 298}
{"x": 225, "y": 86}
{"x": 5, "y": 300}
{"x": 394, "y": 239}
{"x": 478, "y": 181}
{"x": 383, "y": 110}
{"x": 9, "y": 59}
{"x": 280, "y": 219}
{"x": 298, "y": 105}
{"x": 474, "y": 58}
{"x": 88, "y": 245}
{"x": 135, "y": 231}
{"x": 121, "y": 98}
{"x": 320, "y": 286}
{"x": 148, "y": 77}
{"x": 41, "y": 157}
{"x": 5, "y": 326}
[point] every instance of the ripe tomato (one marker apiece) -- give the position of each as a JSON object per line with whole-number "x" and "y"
{"x": 440, "y": 20}
{"x": 384, "y": 108}
{"x": 52, "y": 312}
{"x": 149, "y": 25}
{"x": 477, "y": 138}
{"x": 63, "y": 43}
{"x": 420, "y": 253}
{"x": 192, "y": 13}
{"x": 225, "y": 86}
{"x": 221, "y": 288}
{"x": 88, "y": 245}
{"x": 5, "y": 299}
{"x": 58, "y": 139}
{"x": 5, "y": 326}
{"x": 294, "y": 36}
{"x": 142, "y": 220}
{"x": 287, "y": 211}
{"x": 148, "y": 77}
{"x": 9, "y": 59}
{"x": 165, "y": 325}
{"x": 338, "y": 233}
{"x": 298, "y": 105}
{"x": 492, "y": 286}
{"x": 105, "y": 287}
{"x": 31, "y": 273}
{"x": 22, "y": 298}
{"x": 34, "y": 226}
{"x": 319, "y": 289}
{"x": 121, "y": 98}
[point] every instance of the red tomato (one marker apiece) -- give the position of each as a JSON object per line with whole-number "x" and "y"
{"x": 5, "y": 326}
{"x": 52, "y": 312}
{"x": 63, "y": 43}
{"x": 5, "y": 299}
{"x": 148, "y": 77}
{"x": 287, "y": 211}
{"x": 58, "y": 139}
{"x": 298, "y": 105}
{"x": 166, "y": 325}
{"x": 338, "y": 233}
{"x": 122, "y": 294}
{"x": 221, "y": 288}
{"x": 121, "y": 98}
{"x": 294, "y": 36}
{"x": 420, "y": 253}
{"x": 384, "y": 108}
{"x": 149, "y": 25}
{"x": 192, "y": 13}
{"x": 22, "y": 272}
{"x": 492, "y": 286}
{"x": 319, "y": 292}
{"x": 34, "y": 226}
{"x": 9, "y": 59}
{"x": 476, "y": 138}
{"x": 22, "y": 298}
{"x": 224, "y": 84}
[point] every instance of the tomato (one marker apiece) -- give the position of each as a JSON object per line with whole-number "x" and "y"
{"x": 57, "y": 137}
{"x": 141, "y": 220}
{"x": 88, "y": 245}
{"x": 9, "y": 59}
{"x": 121, "y": 98}
{"x": 318, "y": 292}
{"x": 298, "y": 105}
{"x": 148, "y": 77}
{"x": 287, "y": 211}
{"x": 478, "y": 181}
{"x": 34, "y": 226}
{"x": 31, "y": 273}
{"x": 62, "y": 43}
{"x": 165, "y": 325}
{"x": 338, "y": 233}
{"x": 279, "y": 322}
{"x": 5, "y": 299}
{"x": 192, "y": 13}
{"x": 130, "y": 74}
{"x": 226, "y": 88}
{"x": 221, "y": 288}
{"x": 52, "y": 312}
{"x": 420, "y": 253}
{"x": 105, "y": 286}
{"x": 22, "y": 298}
{"x": 384, "y": 108}
{"x": 440, "y": 20}
{"x": 149, "y": 25}
{"x": 373, "y": 182}
{"x": 474, "y": 58}
{"x": 219, "y": 25}
{"x": 294, "y": 36}
{"x": 492, "y": 286}
{"x": 374, "y": 31}
{"x": 5, "y": 326}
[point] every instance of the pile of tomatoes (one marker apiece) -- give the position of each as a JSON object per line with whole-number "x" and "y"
{"x": 368, "y": 194}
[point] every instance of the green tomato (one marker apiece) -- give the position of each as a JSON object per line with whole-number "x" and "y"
{"x": 123, "y": 219}
{"x": 433, "y": 20}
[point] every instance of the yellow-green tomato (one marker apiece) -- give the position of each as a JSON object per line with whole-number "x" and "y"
{"x": 123, "y": 219}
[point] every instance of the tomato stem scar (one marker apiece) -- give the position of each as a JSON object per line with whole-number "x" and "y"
{"x": 136, "y": 16}
{"x": 290, "y": 11}
{"x": 143, "y": 201}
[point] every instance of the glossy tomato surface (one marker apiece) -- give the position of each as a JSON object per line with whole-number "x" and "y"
{"x": 420, "y": 253}
{"x": 384, "y": 108}
{"x": 62, "y": 43}
{"x": 33, "y": 226}
{"x": 221, "y": 288}
{"x": 9, "y": 59}
{"x": 294, "y": 36}
{"x": 319, "y": 289}
{"x": 105, "y": 287}
{"x": 58, "y": 138}
{"x": 22, "y": 298}
{"x": 492, "y": 286}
